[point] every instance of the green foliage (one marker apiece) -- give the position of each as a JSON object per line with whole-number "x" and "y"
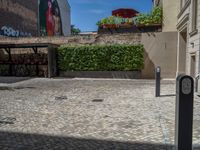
{"x": 155, "y": 17}
{"x": 113, "y": 20}
{"x": 101, "y": 58}
{"x": 75, "y": 31}
{"x": 108, "y": 20}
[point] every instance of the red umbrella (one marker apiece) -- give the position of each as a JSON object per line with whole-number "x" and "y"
{"x": 125, "y": 13}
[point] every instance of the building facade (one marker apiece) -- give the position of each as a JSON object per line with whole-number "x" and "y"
{"x": 22, "y": 18}
{"x": 170, "y": 12}
{"x": 188, "y": 38}
{"x": 18, "y": 18}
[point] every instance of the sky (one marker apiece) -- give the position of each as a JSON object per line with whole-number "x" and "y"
{"x": 86, "y": 13}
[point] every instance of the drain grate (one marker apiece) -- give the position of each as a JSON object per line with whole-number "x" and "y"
{"x": 60, "y": 98}
{"x": 97, "y": 100}
{"x": 7, "y": 120}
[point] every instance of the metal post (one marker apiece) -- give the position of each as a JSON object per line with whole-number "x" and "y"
{"x": 157, "y": 76}
{"x": 184, "y": 112}
{"x": 197, "y": 83}
{"x": 38, "y": 17}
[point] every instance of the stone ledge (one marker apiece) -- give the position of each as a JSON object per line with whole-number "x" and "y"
{"x": 102, "y": 74}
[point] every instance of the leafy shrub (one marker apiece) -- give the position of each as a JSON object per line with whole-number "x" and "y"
{"x": 155, "y": 17}
{"x": 101, "y": 58}
{"x": 113, "y": 20}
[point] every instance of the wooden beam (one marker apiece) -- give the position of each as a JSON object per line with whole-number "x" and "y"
{"x": 35, "y": 49}
{"x": 7, "y": 50}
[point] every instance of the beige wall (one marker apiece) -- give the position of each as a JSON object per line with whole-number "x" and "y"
{"x": 160, "y": 50}
{"x": 170, "y": 12}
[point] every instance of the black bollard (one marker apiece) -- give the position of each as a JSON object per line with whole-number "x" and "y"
{"x": 184, "y": 112}
{"x": 196, "y": 83}
{"x": 157, "y": 76}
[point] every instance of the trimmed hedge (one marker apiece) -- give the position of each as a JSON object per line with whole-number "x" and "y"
{"x": 101, "y": 58}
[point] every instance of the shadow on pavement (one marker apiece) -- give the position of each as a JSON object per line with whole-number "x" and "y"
{"x": 10, "y": 80}
{"x": 21, "y": 141}
{"x": 169, "y": 95}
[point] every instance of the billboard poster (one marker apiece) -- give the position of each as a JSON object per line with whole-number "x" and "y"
{"x": 50, "y": 18}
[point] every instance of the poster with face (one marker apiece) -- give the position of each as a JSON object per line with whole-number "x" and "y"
{"x": 50, "y": 20}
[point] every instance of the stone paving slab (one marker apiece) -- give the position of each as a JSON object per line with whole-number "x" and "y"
{"x": 80, "y": 114}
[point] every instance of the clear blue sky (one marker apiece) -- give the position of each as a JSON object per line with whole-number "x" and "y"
{"x": 85, "y": 13}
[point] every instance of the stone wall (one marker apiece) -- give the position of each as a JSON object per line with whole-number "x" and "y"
{"x": 160, "y": 48}
{"x": 79, "y": 40}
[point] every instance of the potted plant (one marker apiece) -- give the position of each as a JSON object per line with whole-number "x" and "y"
{"x": 152, "y": 19}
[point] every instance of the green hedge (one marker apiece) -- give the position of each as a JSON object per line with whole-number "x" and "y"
{"x": 101, "y": 58}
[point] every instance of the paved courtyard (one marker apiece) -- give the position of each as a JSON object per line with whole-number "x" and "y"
{"x": 86, "y": 114}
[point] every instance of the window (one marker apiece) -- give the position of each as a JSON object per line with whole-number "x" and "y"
{"x": 194, "y": 15}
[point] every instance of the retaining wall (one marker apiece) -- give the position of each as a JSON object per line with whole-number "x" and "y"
{"x": 160, "y": 47}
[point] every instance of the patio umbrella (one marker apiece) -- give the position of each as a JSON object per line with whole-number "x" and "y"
{"x": 125, "y": 13}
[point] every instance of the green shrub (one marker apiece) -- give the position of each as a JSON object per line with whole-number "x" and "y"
{"x": 101, "y": 58}
{"x": 155, "y": 17}
{"x": 113, "y": 20}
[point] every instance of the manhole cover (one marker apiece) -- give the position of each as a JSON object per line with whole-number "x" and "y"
{"x": 61, "y": 98}
{"x": 97, "y": 100}
{"x": 7, "y": 120}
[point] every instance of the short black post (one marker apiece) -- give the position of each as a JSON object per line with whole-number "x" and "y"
{"x": 184, "y": 112}
{"x": 196, "y": 83}
{"x": 157, "y": 76}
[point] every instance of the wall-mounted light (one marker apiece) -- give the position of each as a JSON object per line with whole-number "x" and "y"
{"x": 192, "y": 44}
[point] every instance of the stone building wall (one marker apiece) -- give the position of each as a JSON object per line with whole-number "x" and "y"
{"x": 80, "y": 39}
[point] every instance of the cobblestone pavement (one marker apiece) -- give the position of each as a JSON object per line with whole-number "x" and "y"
{"x": 86, "y": 114}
